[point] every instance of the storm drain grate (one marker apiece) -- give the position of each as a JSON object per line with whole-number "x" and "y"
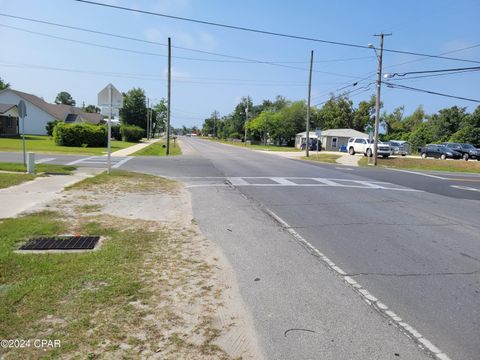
{"x": 62, "y": 243}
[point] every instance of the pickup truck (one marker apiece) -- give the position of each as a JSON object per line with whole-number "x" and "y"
{"x": 365, "y": 147}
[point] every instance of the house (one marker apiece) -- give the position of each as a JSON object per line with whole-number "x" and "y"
{"x": 39, "y": 113}
{"x": 332, "y": 139}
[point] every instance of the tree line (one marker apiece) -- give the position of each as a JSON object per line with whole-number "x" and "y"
{"x": 279, "y": 120}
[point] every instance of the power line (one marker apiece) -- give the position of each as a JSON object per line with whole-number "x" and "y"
{"x": 237, "y": 59}
{"x": 265, "y": 32}
{"x": 429, "y": 92}
{"x": 434, "y": 75}
{"x": 474, "y": 68}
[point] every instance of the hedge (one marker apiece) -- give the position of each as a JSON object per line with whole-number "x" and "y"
{"x": 50, "y": 126}
{"x": 131, "y": 133}
{"x": 80, "y": 135}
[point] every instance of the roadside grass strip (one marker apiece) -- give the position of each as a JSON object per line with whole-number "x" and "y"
{"x": 46, "y": 145}
{"x": 326, "y": 158}
{"x": 159, "y": 149}
{"x": 39, "y": 168}
{"x": 471, "y": 166}
{"x": 7, "y": 180}
{"x": 254, "y": 146}
{"x": 131, "y": 297}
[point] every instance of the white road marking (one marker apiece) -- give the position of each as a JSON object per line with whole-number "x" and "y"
{"x": 367, "y": 296}
{"x": 422, "y": 174}
{"x": 79, "y": 160}
{"x": 41, "y": 161}
{"x": 327, "y": 182}
{"x": 283, "y": 181}
{"x": 237, "y": 181}
{"x": 464, "y": 188}
{"x": 120, "y": 163}
{"x": 340, "y": 168}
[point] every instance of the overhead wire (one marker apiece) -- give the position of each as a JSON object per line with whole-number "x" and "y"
{"x": 265, "y": 32}
{"x": 397, "y": 86}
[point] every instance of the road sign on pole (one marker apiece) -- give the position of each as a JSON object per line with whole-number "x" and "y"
{"x": 112, "y": 98}
{"x": 22, "y": 112}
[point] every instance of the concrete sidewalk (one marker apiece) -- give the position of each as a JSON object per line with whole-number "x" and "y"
{"x": 31, "y": 194}
{"x": 134, "y": 148}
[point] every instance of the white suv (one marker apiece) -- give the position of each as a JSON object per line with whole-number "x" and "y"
{"x": 363, "y": 146}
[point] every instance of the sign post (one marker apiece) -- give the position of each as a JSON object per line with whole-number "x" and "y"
{"x": 318, "y": 132}
{"x": 22, "y": 112}
{"x": 112, "y": 98}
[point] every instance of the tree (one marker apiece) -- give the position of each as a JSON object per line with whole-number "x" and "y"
{"x": 469, "y": 131}
{"x": 91, "y": 109}
{"x": 264, "y": 124}
{"x": 65, "y": 98}
{"x": 447, "y": 122}
{"x": 134, "y": 110}
{"x": 362, "y": 116}
{"x": 210, "y": 124}
{"x": 159, "y": 116}
{"x": 3, "y": 85}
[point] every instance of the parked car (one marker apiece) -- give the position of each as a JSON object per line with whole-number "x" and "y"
{"x": 365, "y": 147}
{"x": 468, "y": 151}
{"x": 439, "y": 151}
{"x": 399, "y": 147}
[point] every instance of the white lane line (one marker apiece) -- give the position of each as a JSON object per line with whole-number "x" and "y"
{"x": 327, "y": 182}
{"x": 369, "y": 184}
{"x": 340, "y": 168}
{"x": 236, "y": 181}
{"x": 422, "y": 174}
{"x": 80, "y": 160}
{"x": 121, "y": 162}
{"x": 365, "y": 294}
{"x": 464, "y": 188}
{"x": 41, "y": 161}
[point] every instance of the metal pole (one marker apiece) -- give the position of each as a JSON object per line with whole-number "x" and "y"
{"x": 23, "y": 141}
{"x": 148, "y": 119}
{"x": 307, "y": 140}
{"x": 245, "y": 126}
{"x": 109, "y": 135}
{"x": 377, "y": 100}
{"x": 168, "y": 94}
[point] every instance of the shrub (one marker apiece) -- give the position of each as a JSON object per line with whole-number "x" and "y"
{"x": 116, "y": 132}
{"x": 131, "y": 133}
{"x": 50, "y": 126}
{"x": 80, "y": 135}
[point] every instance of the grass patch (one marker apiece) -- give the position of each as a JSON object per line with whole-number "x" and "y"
{"x": 326, "y": 158}
{"x": 471, "y": 166}
{"x": 46, "y": 145}
{"x": 7, "y": 180}
{"x": 158, "y": 149}
{"x": 125, "y": 182}
{"x": 61, "y": 296}
{"x": 48, "y": 168}
{"x": 255, "y": 147}
{"x": 88, "y": 208}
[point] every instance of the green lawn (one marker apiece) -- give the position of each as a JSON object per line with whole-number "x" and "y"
{"x": 255, "y": 147}
{"x": 472, "y": 166}
{"x": 39, "y": 168}
{"x": 327, "y": 158}
{"x": 158, "y": 149}
{"x": 46, "y": 145}
{"x": 7, "y": 180}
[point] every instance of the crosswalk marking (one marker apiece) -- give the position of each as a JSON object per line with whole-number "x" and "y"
{"x": 102, "y": 161}
{"x": 291, "y": 182}
{"x": 41, "y": 161}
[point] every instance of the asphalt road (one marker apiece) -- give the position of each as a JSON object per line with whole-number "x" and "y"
{"x": 411, "y": 239}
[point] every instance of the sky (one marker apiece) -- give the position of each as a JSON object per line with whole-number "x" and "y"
{"x": 202, "y": 83}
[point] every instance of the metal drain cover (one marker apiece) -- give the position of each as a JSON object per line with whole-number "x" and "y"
{"x": 61, "y": 243}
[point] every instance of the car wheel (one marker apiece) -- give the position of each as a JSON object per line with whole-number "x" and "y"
{"x": 424, "y": 155}
{"x": 385, "y": 156}
{"x": 369, "y": 152}
{"x": 465, "y": 157}
{"x": 443, "y": 156}
{"x": 351, "y": 151}
{"x": 404, "y": 154}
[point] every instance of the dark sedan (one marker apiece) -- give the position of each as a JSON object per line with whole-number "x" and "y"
{"x": 439, "y": 152}
{"x": 468, "y": 151}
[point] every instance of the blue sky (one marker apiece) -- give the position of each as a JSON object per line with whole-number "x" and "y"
{"x": 199, "y": 87}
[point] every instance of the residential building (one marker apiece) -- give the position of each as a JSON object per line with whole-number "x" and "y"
{"x": 331, "y": 139}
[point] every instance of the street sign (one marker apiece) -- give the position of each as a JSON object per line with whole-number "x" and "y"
{"x": 104, "y": 97}
{"x": 105, "y": 110}
{"x": 22, "y": 109}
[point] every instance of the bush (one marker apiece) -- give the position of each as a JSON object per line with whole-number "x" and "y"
{"x": 50, "y": 126}
{"x": 115, "y": 131}
{"x": 80, "y": 135}
{"x": 131, "y": 133}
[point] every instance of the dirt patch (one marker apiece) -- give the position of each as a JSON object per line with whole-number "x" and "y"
{"x": 187, "y": 305}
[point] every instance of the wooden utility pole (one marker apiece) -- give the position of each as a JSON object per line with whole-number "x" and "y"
{"x": 307, "y": 140}
{"x": 168, "y": 94}
{"x": 377, "y": 100}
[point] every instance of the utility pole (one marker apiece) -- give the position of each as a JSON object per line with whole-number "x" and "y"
{"x": 148, "y": 119}
{"x": 245, "y": 126}
{"x": 109, "y": 131}
{"x": 168, "y": 94}
{"x": 377, "y": 100}
{"x": 307, "y": 140}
